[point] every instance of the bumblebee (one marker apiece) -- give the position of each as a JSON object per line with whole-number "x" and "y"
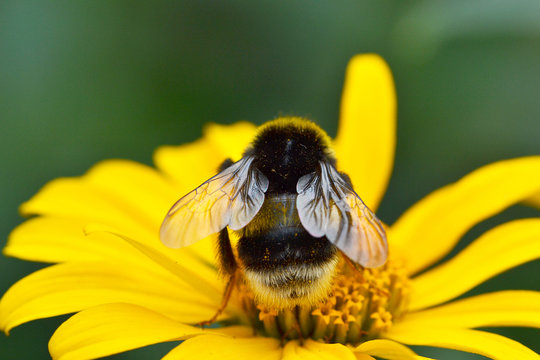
{"x": 294, "y": 214}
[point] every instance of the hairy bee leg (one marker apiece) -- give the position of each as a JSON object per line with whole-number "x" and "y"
{"x": 224, "y": 301}
{"x": 296, "y": 327}
{"x": 225, "y": 254}
{"x": 225, "y": 164}
{"x": 228, "y": 267}
{"x": 346, "y": 178}
{"x": 351, "y": 264}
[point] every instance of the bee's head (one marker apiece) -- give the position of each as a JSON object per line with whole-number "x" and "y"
{"x": 287, "y": 148}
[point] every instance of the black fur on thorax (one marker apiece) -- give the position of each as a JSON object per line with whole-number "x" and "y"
{"x": 286, "y": 151}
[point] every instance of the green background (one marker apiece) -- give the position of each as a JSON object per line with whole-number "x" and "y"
{"x": 89, "y": 80}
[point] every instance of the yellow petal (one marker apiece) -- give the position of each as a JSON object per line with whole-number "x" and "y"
{"x": 125, "y": 195}
{"x": 192, "y": 164}
{"x": 113, "y": 328}
{"x": 55, "y": 239}
{"x": 71, "y": 287}
{"x": 230, "y": 140}
{"x": 52, "y": 239}
{"x": 366, "y": 136}
{"x": 503, "y": 308}
{"x": 190, "y": 271}
{"x": 499, "y": 249}
{"x": 487, "y": 344}
{"x": 112, "y": 190}
{"x": 431, "y": 228}
{"x": 137, "y": 188}
{"x": 73, "y": 198}
{"x": 316, "y": 350}
{"x": 387, "y": 349}
{"x": 178, "y": 163}
{"x": 226, "y": 348}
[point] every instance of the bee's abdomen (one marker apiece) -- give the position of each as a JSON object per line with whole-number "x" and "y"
{"x": 281, "y": 247}
{"x": 287, "y": 266}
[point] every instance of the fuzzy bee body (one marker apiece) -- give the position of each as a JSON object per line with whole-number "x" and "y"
{"x": 286, "y": 265}
{"x": 293, "y": 212}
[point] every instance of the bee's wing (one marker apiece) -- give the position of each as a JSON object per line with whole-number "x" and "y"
{"x": 231, "y": 198}
{"x": 328, "y": 206}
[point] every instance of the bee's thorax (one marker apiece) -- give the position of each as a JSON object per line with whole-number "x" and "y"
{"x": 286, "y": 149}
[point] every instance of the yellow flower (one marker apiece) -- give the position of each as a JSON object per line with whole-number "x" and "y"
{"x": 129, "y": 291}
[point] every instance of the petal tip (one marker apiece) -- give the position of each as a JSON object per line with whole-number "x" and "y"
{"x": 368, "y": 63}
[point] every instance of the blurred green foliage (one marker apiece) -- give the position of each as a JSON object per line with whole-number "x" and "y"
{"x": 90, "y": 80}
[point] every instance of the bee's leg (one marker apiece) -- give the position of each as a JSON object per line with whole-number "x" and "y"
{"x": 300, "y": 336}
{"x": 346, "y": 178}
{"x": 298, "y": 327}
{"x": 294, "y": 331}
{"x": 229, "y": 268}
{"x": 227, "y": 262}
{"x": 225, "y": 254}
{"x": 355, "y": 267}
{"x": 225, "y": 300}
{"x": 225, "y": 164}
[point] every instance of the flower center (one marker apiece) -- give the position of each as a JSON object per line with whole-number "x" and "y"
{"x": 362, "y": 304}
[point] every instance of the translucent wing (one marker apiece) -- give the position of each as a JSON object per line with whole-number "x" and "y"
{"x": 231, "y": 198}
{"x": 328, "y": 206}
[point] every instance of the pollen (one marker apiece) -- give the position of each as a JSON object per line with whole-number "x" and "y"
{"x": 362, "y": 304}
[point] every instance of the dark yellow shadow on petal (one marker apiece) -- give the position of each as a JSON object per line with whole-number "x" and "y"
{"x": 387, "y": 349}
